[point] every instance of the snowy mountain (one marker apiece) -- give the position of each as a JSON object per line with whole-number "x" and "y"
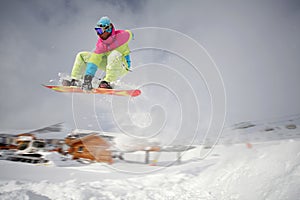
{"x": 264, "y": 130}
{"x": 55, "y": 131}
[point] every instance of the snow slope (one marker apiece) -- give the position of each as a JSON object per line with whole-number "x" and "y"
{"x": 266, "y": 170}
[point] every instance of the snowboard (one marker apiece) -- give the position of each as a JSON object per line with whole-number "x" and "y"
{"x": 73, "y": 89}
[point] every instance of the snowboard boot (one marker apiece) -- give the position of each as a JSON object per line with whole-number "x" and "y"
{"x": 87, "y": 83}
{"x": 66, "y": 82}
{"x": 105, "y": 85}
{"x": 73, "y": 82}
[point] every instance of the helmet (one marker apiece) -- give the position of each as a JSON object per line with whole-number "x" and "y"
{"x": 104, "y": 22}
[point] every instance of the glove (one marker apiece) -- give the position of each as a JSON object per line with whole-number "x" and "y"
{"x": 66, "y": 82}
{"x": 74, "y": 82}
{"x": 87, "y": 83}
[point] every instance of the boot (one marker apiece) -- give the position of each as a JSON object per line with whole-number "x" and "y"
{"x": 73, "y": 82}
{"x": 105, "y": 85}
{"x": 66, "y": 82}
{"x": 87, "y": 83}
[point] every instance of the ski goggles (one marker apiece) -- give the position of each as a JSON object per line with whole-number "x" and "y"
{"x": 101, "y": 29}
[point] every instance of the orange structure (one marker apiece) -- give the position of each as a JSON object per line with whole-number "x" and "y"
{"x": 92, "y": 147}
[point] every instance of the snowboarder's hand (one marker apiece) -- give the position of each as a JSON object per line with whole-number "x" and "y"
{"x": 74, "y": 82}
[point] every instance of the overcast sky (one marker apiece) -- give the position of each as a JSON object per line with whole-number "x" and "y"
{"x": 255, "y": 45}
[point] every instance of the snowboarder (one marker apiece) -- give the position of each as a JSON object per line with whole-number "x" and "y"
{"x": 110, "y": 55}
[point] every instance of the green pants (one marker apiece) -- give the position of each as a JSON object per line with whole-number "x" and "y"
{"x": 79, "y": 66}
{"x": 113, "y": 63}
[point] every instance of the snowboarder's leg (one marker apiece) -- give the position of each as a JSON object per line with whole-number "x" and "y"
{"x": 116, "y": 66}
{"x": 79, "y": 66}
{"x": 94, "y": 62}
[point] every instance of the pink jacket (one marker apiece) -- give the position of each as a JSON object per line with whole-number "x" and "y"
{"x": 115, "y": 40}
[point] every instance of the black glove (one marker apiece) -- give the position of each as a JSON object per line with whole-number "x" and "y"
{"x": 66, "y": 82}
{"x": 87, "y": 83}
{"x": 74, "y": 82}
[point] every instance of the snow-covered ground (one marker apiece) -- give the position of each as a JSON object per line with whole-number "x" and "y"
{"x": 261, "y": 170}
{"x": 252, "y": 160}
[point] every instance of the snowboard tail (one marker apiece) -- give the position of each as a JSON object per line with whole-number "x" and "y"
{"x": 74, "y": 89}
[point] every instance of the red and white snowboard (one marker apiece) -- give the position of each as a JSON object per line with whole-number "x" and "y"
{"x": 73, "y": 89}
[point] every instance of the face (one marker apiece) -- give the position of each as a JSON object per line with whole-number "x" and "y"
{"x": 104, "y": 35}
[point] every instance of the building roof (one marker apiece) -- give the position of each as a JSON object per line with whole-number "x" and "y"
{"x": 90, "y": 140}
